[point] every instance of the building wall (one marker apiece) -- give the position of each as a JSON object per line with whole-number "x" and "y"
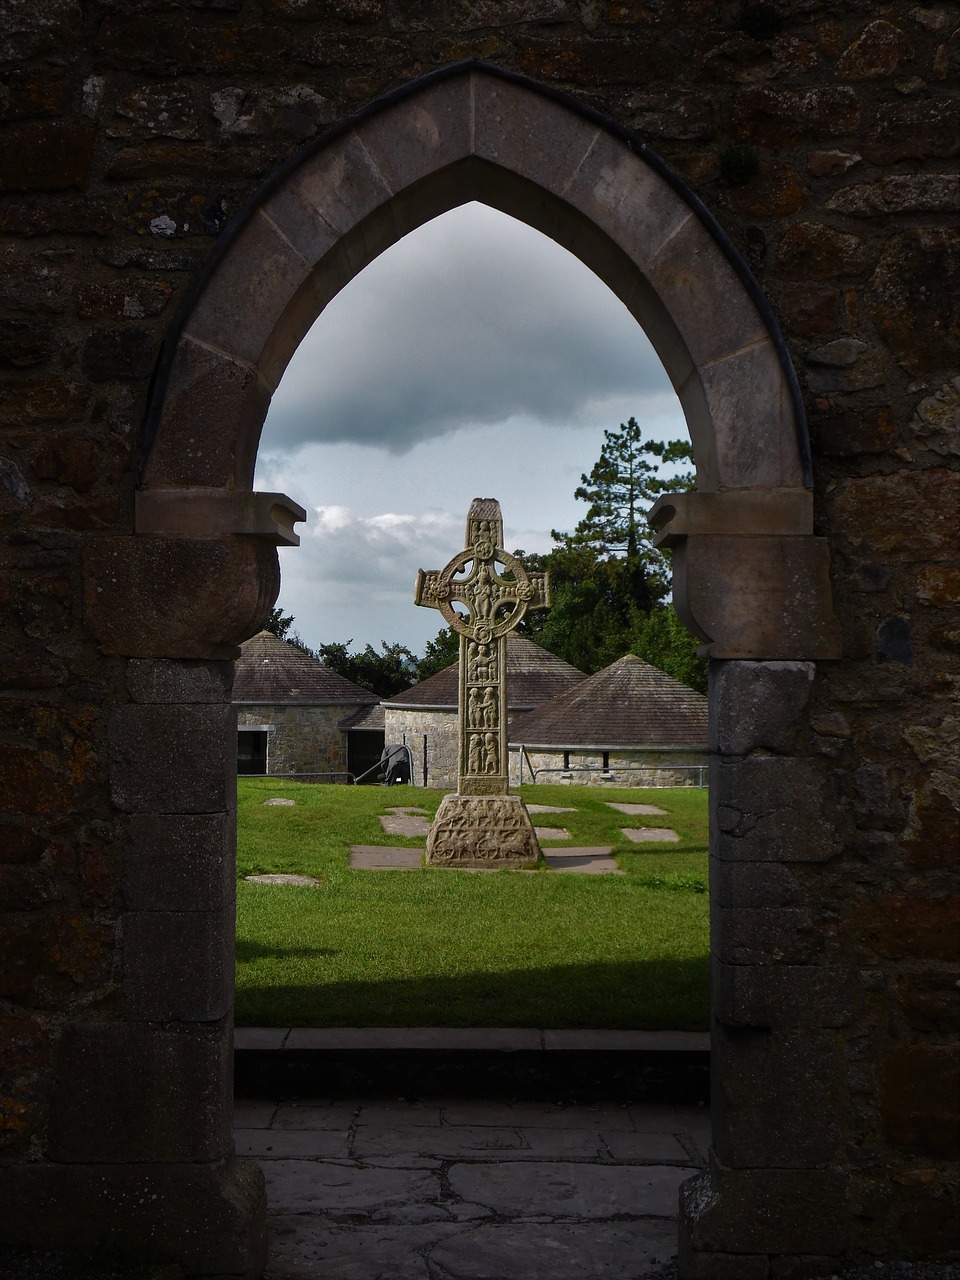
{"x": 441, "y": 728}
{"x": 625, "y": 768}
{"x": 823, "y": 137}
{"x": 304, "y": 739}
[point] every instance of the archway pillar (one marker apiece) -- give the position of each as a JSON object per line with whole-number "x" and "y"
{"x": 772, "y": 1201}
{"x": 199, "y": 576}
{"x": 749, "y": 577}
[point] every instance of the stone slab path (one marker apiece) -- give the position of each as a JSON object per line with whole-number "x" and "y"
{"x": 633, "y": 810}
{"x": 405, "y": 822}
{"x": 582, "y": 860}
{"x": 467, "y": 1190}
{"x": 651, "y": 835}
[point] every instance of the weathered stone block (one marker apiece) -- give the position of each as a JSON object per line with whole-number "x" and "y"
{"x": 771, "y": 117}
{"x": 925, "y": 502}
{"x": 913, "y": 296}
{"x": 157, "y": 111}
{"x": 482, "y": 831}
{"x": 901, "y": 924}
{"x": 24, "y": 1042}
{"x": 172, "y": 759}
{"x": 405, "y": 146}
{"x": 856, "y": 431}
{"x": 775, "y": 1210}
{"x": 122, "y": 354}
{"x": 48, "y": 960}
{"x": 757, "y": 705}
{"x": 210, "y": 1218}
{"x": 757, "y": 597}
{"x": 697, "y": 284}
{"x": 723, "y": 1266}
{"x": 246, "y": 298}
{"x": 771, "y": 809}
{"x": 932, "y": 1003}
{"x": 813, "y": 251}
{"x": 46, "y": 156}
{"x": 783, "y": 995}
{"x": 764, "y": 935}
{"x": 155, "y": 597}
{"x": 178, "y": 965}
{"x": 915, "y": 130}
{"x": 921, "y": 1085}
{"x": 180, "y": 862}
{"x": 881, "y": 50}
{"x": 160, "y": 681}
{"x": 205, "y": 390}
{"x": 126, "y": 1093}
{"x": 754, "y": 884}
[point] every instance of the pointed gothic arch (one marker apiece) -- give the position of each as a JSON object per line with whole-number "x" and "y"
{"x": 200, "y": 572}
{"x": 475, "y": 133}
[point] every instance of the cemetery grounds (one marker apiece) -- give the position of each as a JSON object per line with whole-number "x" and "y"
{"x": 434, "y": 946}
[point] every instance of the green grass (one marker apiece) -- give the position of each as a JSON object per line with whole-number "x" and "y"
{"x": 438, "y": 947}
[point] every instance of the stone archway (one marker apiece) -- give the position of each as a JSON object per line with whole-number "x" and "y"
{"x": 201, "y": 571}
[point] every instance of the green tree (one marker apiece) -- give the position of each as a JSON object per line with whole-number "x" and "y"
{"x": 382, "y": 673}
{"x": 440, "y": 652}
{"x": 660, "y": 638}
{"x": 622, "y": 485}
{"x": 278, "y": 622}
{"x": 607, "y": 576}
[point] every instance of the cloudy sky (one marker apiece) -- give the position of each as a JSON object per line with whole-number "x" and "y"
{"x": 475, "y": 358}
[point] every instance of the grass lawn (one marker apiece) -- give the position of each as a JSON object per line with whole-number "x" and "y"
{"x": 436, "y": 947}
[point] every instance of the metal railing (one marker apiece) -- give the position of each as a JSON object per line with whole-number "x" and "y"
{"x": 699, "y": 770}
{"x": 351, "y": 778}
{"x": 288, "y": 777}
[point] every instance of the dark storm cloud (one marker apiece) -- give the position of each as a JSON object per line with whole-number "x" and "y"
{"x": 475, "y": 320}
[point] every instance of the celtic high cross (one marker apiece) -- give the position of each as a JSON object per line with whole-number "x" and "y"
{"x": 483, "y": 605}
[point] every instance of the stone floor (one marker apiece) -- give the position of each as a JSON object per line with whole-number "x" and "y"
{"x": 463, "y": 1190}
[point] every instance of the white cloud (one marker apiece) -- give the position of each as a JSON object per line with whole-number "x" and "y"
{"x": 473, "y": 359}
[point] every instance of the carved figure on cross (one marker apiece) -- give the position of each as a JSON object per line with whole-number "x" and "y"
{"x": 483, "y": 605}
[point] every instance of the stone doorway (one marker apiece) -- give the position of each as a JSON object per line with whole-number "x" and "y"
{"x": 750, "y": 578}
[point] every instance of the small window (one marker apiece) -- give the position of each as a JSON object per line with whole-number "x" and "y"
{"x": 606, "y": 762}
{"x": 252, "y": 751}
{"x": 566, "y": 759}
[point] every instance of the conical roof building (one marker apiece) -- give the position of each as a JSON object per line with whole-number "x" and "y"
{"x": 272, "y": 670}
{"x": 297, "y": 717}
{"x": 533, "y": 676}
{"x": 425, "y": 719}
{"x": 630, "y": 723}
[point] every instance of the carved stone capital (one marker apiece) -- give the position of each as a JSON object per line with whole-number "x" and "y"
{"x": 210, "y": 513}
{"x": 178, "y": 597}
{"x": 749, "y": 577}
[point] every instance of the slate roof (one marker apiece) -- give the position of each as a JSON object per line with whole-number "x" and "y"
{"x": 533, "y": 676}
{"x": 370, "y": 717}
{"x": 270, "y": 670}
{"x": 628, "y": 704}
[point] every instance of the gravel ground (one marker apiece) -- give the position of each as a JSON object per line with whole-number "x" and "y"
{"x": 20, "y": 1264}
{"x": 872, "y": 1271}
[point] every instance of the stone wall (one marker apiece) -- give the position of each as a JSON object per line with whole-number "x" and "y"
{"x": 824, "y": 137}
{"x": 304, "y": 739}
{"x": 441, "y": 729}
{"x": 623, "y": 769}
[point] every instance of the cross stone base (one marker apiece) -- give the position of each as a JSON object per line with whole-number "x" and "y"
{"x": 482, "y": 831}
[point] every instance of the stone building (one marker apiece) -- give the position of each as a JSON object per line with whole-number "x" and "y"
{"x": 294, "y": 715}
{"x": 771, "y": 189}
{"x": 629, "y": 725}
{"x": 424, "y": 717}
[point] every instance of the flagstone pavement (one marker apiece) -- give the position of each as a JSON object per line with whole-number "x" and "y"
{"x": 471, "y": 1190}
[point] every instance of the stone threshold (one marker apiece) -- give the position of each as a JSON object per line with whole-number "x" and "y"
{"x": 516, "y": 1063}
{"x": 478, "y": 1039}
